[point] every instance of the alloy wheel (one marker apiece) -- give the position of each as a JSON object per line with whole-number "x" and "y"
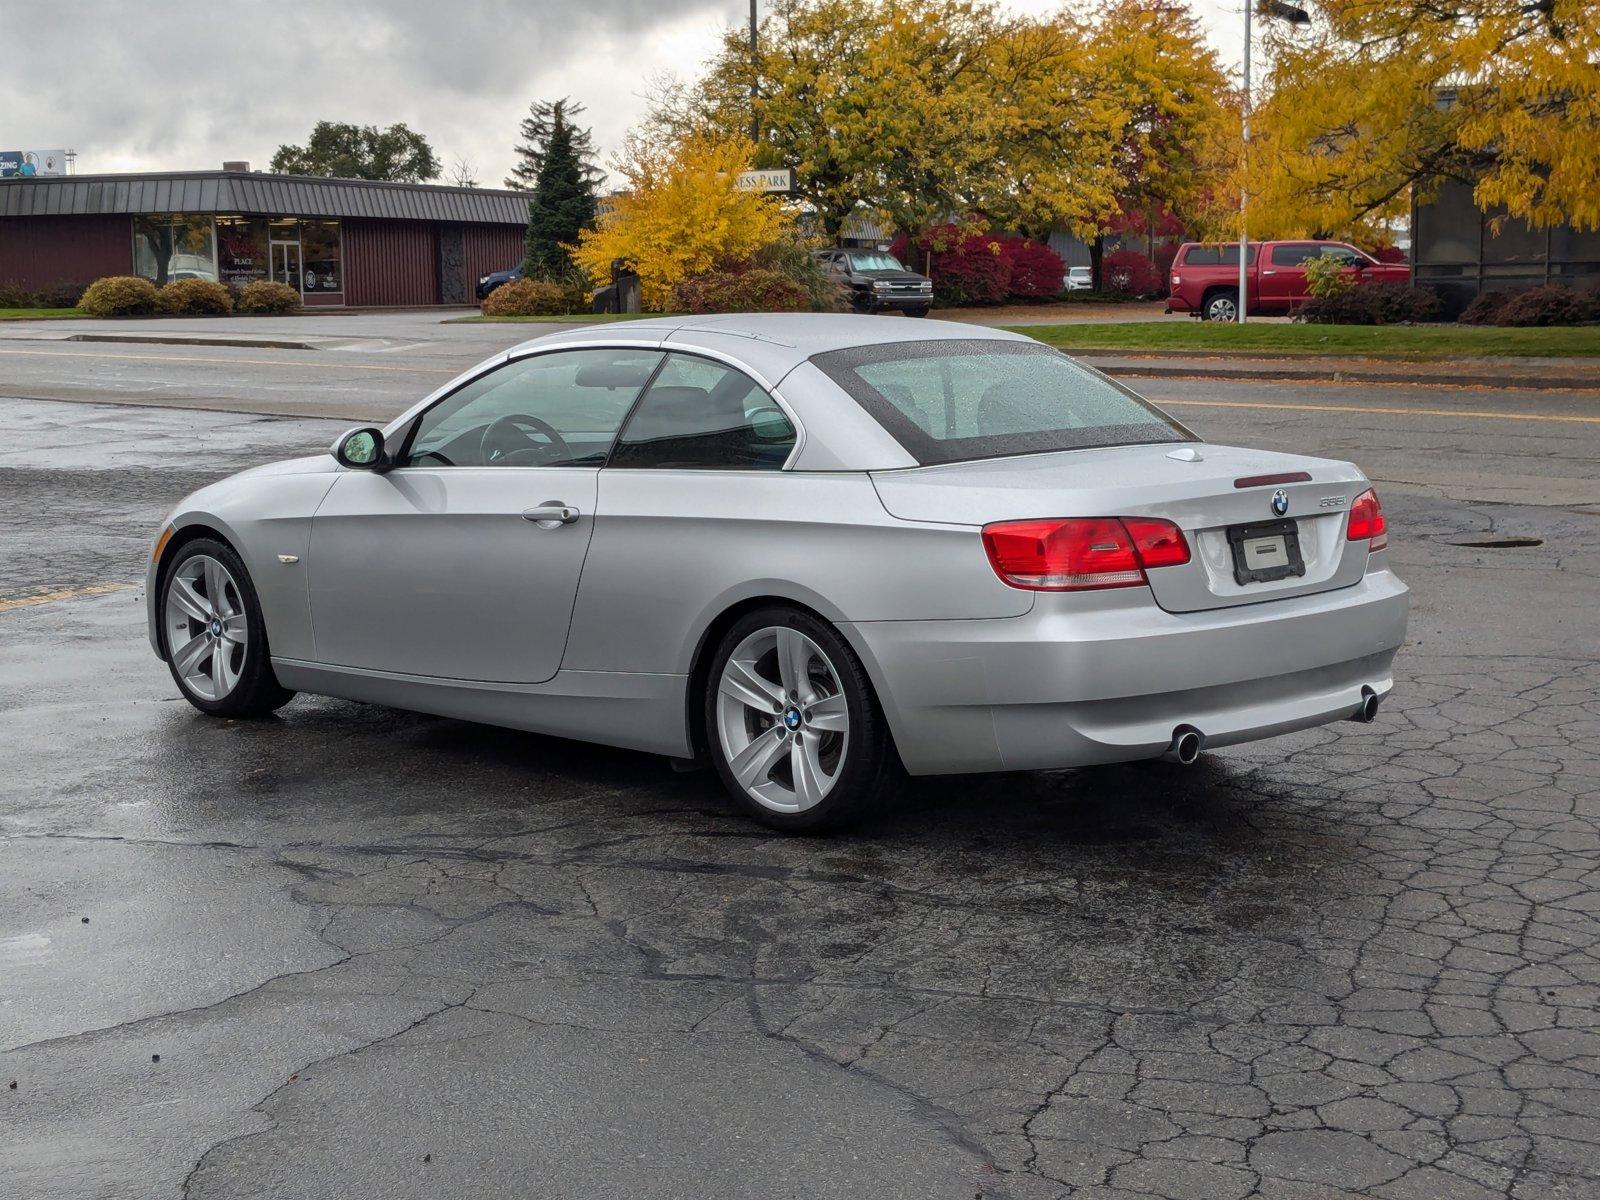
{"x": 207, "y": 633}
{"x": 782, "y": 719}
{"x": 1222, "y": 308}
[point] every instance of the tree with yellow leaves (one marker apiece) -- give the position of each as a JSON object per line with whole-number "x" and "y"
{"x": 681, "y": 214}
{"x": 1386, "y": 95}
{"x": 924, "y": 111}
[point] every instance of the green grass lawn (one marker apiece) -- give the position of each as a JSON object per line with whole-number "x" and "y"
{"x": 568, "y": 319}
{"x": 22, "y": 314}
{"x": 1417, "y": 342}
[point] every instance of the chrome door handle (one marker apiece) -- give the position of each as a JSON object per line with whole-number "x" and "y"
{"x": 550, "y": 514}
{"x": 1269, "y": 272}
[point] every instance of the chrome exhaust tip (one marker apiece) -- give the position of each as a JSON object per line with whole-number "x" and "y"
{"x": 1367, "y": 713}
{"x": 1186, "y": 744}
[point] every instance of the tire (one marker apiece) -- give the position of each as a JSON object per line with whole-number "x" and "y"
{"x": 1221, "y": 306}
{"x": 222, "y": 676}
{"x": 848, "y": 754}
{"x": 916, "y": 312}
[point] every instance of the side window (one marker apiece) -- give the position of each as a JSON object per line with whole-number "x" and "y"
{"x": 1344, "y": 254}
{"x": 1292, "y": 256}
{"x": 547, "y": 410}
{"x": 700, "y": 414}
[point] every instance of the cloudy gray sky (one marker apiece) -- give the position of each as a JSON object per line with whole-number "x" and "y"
{"x": 183, "y": 84}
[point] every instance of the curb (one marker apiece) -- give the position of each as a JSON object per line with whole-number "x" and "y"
{"x": 1117, "y": 365}
{"x": 156, "y": 339}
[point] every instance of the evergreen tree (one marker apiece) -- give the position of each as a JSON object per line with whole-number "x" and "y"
{"x": 543, "y": 116}
{"x": 563, "y": 202}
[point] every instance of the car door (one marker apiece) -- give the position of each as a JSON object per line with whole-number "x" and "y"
{"x": 1283, "y": 275}
{"x": 695, "y": 501}
{"x": 462, "y": 561}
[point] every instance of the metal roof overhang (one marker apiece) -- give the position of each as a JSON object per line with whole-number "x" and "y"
{"x": 251, "y": 192}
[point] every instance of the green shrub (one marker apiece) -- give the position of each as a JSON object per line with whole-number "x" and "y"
{"x": 266, "y": 296}
{"x": 750, "y": 289}
{"x": 1372, "y": 304}
{"x": 1327, "y": 275}
{"x": 14, "y": 295}
{"x": 531, "y": 298}
{"x": 194, "y": 297}
{"x": 795, "y": 259}
{"x": 119, "y": 296}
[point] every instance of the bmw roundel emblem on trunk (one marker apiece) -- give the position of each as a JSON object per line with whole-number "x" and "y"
{"x": 1280, "y": 502}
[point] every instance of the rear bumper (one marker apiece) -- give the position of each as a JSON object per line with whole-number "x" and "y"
{"x": 1177, "y": 304}
{"x": 1066, "y": 686}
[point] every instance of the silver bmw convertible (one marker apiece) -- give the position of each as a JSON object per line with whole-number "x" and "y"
{"x": 813, "y": 552}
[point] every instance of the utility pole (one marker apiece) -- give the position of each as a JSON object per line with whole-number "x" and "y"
{"x": 755, "y": 75}
{"x": 1244, "y": 176}
{"x": 1295, "y": 16}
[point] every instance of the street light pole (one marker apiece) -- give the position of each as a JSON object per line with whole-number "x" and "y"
{"x": 1244, "y": 175}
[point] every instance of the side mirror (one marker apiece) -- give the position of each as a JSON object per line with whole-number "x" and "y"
{"x": 361, "y": 449}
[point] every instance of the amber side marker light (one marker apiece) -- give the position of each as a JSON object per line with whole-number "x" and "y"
{"x": 161, "y": 543}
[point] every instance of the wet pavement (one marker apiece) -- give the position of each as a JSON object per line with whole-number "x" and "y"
{"x": 348, "y": 951}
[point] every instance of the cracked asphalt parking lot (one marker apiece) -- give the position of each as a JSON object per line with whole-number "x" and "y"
{"x": 351, "y": 952}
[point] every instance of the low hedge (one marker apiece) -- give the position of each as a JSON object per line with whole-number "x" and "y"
{"x": 55, "y": 295}
{"x": 1374, "y": 304}
{"x": 194, "y": 297}
{"x": 532, "y": 298}
{"x": 1549, "y": 304}
{"x": 266, "y": 296}
{"x": 119, "y": 296}
{"x": 754, "y": 289}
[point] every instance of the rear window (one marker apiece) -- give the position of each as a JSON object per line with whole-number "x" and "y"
{"x": 1217, "y": 256}
{"x": 949, "y": 401}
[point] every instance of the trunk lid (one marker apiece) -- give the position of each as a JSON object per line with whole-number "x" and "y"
{"x": 1199, "y": 494}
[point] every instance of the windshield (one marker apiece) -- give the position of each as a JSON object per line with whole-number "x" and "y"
{"x": 877, "y": 261}
{"x": 948, "y": 401}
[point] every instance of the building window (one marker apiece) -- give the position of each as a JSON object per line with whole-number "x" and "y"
{"x": 241, "y": 250}
{"x": 168, "y": 246}
{"x": 319, "y": 246}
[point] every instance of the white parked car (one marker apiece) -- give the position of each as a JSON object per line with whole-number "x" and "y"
{"x": 1078, "y": 279}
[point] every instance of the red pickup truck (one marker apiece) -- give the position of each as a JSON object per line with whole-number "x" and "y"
{"x": 1205, "y": 276}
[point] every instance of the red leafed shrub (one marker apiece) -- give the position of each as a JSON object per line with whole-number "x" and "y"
{"x": 973, "y": 267}
{"x": 752, "y": 289}
{"x": 1036, "y": 270}
{"x": 1551, "y": 304}
{"x": 1131, "y": 273}
{"x": 1388, "y": 254}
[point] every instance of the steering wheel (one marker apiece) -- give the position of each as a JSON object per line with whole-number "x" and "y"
{"x": 507, "y": 440}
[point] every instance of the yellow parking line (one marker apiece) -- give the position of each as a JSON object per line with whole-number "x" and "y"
{"x": 93, "y": 589}
{"x": 324, "y": 364}
{"x": 1485, "y": 414}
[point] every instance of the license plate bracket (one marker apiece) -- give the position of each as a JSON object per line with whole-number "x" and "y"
{"x": 1265, "y": 552}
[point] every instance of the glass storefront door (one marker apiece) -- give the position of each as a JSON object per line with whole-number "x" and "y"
{"x": 286, "y": 263}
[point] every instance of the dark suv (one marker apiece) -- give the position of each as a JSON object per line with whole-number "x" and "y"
{"x": 878, "y": 281}
{"x": 488, "y": 283}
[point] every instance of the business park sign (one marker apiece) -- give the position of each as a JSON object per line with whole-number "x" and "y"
{"x": 781, "y": 180}
{"x": 32, "y": 162}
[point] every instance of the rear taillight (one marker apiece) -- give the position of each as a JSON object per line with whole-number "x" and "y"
{"x": 1078, "y": 553}
{"x": 1367, "y": 521}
